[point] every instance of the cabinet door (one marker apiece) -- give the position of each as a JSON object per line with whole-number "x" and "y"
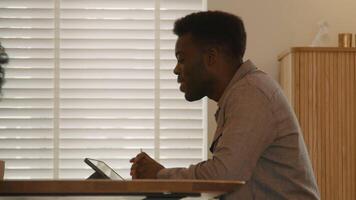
{"x": 322, "y": 92}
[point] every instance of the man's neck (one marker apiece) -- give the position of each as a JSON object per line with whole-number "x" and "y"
{"x": 221, "y": 83}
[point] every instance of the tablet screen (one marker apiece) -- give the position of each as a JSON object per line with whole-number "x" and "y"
{"x": 103, "y": 169}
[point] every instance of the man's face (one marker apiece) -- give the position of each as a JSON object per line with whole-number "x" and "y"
{"x": 190, "y": 69}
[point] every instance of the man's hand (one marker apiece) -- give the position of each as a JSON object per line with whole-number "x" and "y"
{"x": 144, "y": 167}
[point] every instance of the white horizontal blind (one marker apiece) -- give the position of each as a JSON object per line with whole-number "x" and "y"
{"x": 26, "y": 31}
{"x": 107, "y": 83}
{"x": 107, "y": 87}
{"x": 181, "y": 123}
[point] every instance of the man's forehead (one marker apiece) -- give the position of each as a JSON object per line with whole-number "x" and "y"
{"x": 184, "y": 42}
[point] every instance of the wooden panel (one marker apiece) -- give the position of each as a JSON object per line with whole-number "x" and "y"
{"x": 2, "y": 169}
{"x": 323, "y": 97}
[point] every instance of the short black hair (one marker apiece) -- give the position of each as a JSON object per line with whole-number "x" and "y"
{"x": 215, "y": 28}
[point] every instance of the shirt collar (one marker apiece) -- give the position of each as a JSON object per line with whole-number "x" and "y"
{"x": 244, "y": 69}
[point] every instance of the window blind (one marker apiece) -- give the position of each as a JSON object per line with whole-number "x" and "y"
{"x": 94, "y": 78}
{"x": 26, "y": 111}
{"x": 181, "y": 123}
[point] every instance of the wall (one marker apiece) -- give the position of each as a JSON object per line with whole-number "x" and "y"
{"x": 274, "y": 26}
{"x": 340, "y": 15}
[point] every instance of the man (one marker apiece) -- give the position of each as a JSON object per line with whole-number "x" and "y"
{"x": 3, "y": 60}
{"x": 258, "y": 139}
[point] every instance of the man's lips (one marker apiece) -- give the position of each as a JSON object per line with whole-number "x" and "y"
{"x": 182, "y": 85}
{"x": 179, "y": 80}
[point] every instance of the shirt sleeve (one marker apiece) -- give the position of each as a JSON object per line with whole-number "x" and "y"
{"x": 247, "y": 131}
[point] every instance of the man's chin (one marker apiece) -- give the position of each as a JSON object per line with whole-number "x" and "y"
{"x": 191, "y": 98}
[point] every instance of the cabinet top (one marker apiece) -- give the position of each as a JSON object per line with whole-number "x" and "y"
{"x": 298, "y": 49}
{"x": 314, "y": 49}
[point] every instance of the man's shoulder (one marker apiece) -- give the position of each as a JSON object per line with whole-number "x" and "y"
{"x": 262, "y": 82}
{"x": 255, "y": 86}
{"x": 255, "y": 81}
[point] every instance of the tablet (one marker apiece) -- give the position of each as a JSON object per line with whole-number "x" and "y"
{"x": 103, "y": 169}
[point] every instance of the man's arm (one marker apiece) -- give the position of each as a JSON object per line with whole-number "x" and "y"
{"x": 247, "y": 131}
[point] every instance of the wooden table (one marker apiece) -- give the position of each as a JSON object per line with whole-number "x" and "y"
{"x": 151, "y": 189}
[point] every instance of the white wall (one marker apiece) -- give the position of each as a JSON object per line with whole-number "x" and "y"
{"x": 340, "y": 15}
{"x": 274, "y": 26}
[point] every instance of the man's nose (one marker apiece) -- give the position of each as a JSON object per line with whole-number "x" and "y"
{"x": 176, "y": 70}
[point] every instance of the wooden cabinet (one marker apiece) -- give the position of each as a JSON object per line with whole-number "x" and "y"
{"x": 321, "y": 86}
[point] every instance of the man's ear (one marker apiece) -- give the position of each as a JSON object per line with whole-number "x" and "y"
{"x": 211, "y": 56}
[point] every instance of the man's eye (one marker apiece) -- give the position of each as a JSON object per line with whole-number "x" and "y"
{"x": 180, "y": 61}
